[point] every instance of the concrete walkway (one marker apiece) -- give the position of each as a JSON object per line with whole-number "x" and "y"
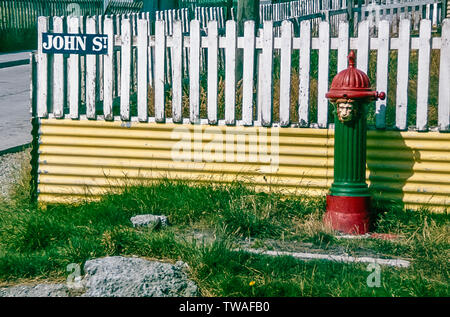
{"x": 15, "y": 116}
{"x": 14, "y": 59}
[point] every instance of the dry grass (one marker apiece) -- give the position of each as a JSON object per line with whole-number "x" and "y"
{"x": 391, "y": 95}
{"x": 295, "y": 81}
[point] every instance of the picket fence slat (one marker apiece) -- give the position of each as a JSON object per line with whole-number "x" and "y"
{"x": 444, "y": 79}
{"x": 100, "y": 59}
{"x": 58, "y": 74}
{"x": 142, "y": 55}
{"x": 402, "y": 75}
{"x": 230, "y": 73}
{"x": 362, "y": 61}
{"x": 285, "y": 73}
{"x": 194, "y": 72}
{"x": 423, "y": 75}
{"x": 382, "y": 73}
{"x": 343, "y": 46}
{"x": 304, "y": 72}
{"x": 125, "y": 69}
{"x": 160, "y": 50}
{"x": 213, "y": 45}
{"x": 42, "y": 64}
{"x": 108, "y": 71}
{"x": 177, "y": 72}
{"x": 266, "y": 75}
{"x": 323, "y": 73}
{"x": 91, "y": 66}
{"x": 248, "y": 71}
{"x": 73, "y": 73}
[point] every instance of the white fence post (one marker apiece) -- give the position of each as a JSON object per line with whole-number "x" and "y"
{"x": 304, "y": 73}
{"x": 362, "y": 61}
{"x": 177, "y": 72}
{"x": 73, "y": 73}
{"x": 125, "y": 68}
{"x": 142, "y": 69}
{"x": 266, "y": 75}
{"x": 194, "y": 71}
{"x": 58, "y": 74}
{"x": 404, "y": 41}
{"x": 160, "y": 50}
{"x": 343, "y": 46}
{"x": 323, "y": 73}
{"x": 213, "y": 43}
{"x": 42, "y": 62}
{"x": 423, "y": 75}
{"x": 382, "y": 73}
{"x": 230, "y": 73}
{"x": 285, "y": 73}
{"x": 248, "y": 72}
{"x": 108, "y": 71}
{"x": 100, "y": 72}
{"x": 91, "y": 72}
{"x": 444, "y": 79}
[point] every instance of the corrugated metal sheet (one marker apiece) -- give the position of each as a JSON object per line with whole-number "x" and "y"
{"x": 79, "y": 158}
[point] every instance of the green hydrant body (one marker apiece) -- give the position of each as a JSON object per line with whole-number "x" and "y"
{"x": 348, "y": 204}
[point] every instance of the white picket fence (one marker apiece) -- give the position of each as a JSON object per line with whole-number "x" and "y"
{"x": 126, "y": 70}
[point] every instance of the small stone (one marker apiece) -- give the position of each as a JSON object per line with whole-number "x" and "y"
{"x": 150, "y": 221}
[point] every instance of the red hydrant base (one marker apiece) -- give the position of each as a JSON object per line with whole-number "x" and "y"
{"x": 348, "y": 214}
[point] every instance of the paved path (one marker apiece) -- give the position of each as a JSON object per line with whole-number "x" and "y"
{"x": 14, "y": 59}
{"x": 15, "y": 117}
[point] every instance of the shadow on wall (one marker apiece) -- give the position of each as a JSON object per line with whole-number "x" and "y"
{"x": 390, "y": 163}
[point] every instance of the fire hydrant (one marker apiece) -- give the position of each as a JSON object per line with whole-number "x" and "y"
{"x": 348, "y": 204}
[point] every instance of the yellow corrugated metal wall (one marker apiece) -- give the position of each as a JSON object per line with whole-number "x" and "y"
{"x": 80, "y": 157}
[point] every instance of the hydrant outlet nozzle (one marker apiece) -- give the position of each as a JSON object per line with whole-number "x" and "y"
{"x": 381, "y": 95}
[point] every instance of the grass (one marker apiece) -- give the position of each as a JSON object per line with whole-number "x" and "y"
{"x": 38, "y": 243}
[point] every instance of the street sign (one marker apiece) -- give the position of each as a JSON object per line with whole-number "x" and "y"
{"x": 82, "y": 44}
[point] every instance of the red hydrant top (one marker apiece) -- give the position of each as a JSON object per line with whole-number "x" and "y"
{"x": 352, "y": 83}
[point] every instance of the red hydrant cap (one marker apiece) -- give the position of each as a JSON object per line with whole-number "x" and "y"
{"x": 352, "y": 83}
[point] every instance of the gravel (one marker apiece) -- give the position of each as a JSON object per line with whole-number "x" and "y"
{"x": 10, "y": 168}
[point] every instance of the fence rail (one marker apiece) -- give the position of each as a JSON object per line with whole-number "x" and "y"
{"x": 130, "y": 82}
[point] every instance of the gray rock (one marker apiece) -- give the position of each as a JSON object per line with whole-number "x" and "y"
{"x": 150, "y": 221}
{"x": 134, "y": 277}
{"x": 39, "y": 290}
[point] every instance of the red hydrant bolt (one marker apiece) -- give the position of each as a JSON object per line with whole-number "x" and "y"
{"x": 348, "y": 204}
